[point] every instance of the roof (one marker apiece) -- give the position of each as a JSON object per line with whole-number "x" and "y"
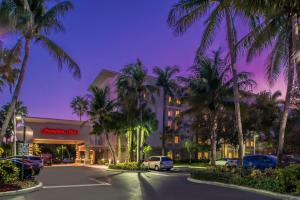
{"x": 104, "y": 74}
{"x": 54, "y": 121}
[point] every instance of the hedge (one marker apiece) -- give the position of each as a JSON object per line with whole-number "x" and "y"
{"x": 9, "y": 173}
{"x": 128, "y": 166}
{"x": 281, "y": 180}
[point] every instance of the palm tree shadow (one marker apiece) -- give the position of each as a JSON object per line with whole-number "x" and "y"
{"x": 148, "y": 192}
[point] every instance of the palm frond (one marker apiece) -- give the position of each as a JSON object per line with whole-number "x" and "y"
{"x": 60, "y": 55}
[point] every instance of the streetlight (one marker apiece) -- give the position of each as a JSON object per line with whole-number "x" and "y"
{"x": 254, "y": 142}
{"x": 16, "y": 118}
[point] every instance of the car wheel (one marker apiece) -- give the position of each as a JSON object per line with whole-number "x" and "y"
{"x": 156, "y": 168}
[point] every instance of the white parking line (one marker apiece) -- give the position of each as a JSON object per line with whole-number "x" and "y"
{"x": 99, "y": 182}
{"x": 159, "y": 174}
{"x": 74, "y": 186}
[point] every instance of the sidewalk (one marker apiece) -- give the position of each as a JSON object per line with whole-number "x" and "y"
{"x": 103, "y": 167}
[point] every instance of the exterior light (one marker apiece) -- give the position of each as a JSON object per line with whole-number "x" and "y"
{"x": 19, "y": 117}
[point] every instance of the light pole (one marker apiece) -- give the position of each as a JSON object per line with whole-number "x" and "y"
{"x": 16, "y": 118}
{"x": 254, "y": 142}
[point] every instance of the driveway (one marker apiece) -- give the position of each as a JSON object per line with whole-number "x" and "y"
{"x": 82, "y": 183}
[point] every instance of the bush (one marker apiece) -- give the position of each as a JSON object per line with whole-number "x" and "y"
{"x": 102, "y": 162}
{"x": 128, "y": 166}
{"x": 9, "y": 173}
{"x": 285, "y": 180}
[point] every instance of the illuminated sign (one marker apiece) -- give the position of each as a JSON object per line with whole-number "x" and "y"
{"x": 59, "y": 131}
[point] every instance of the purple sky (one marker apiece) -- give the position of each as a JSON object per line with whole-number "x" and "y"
{"x": 110, "y": 34}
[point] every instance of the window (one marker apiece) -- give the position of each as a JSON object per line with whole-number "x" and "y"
{"x": 177, "y": 112}
{"x": 170, "y": 113}
{"x": 169, "y": 124}
{"x": 178, "y": 102}
{"x": 170, "y": 154}
{"x": 206, "y": 155}
{"x": 177, "y": 139}
{"x": 170, "y": 99}
{"x": 199, "y": 155}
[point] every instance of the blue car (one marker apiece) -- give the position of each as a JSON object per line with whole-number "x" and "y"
{"x": 261, "y": 162}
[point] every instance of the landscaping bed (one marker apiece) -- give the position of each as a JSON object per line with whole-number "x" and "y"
{"x": 18, "y": 185}
{"x": 285, "y": 180}
{"x": 10, "y": 178}
{"x": 128, "y": 166}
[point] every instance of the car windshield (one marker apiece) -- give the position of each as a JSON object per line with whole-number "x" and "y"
{"x": 165, "y": 159}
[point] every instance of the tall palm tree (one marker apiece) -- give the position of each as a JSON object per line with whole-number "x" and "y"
{"x": 165, "y": 80}
{"x": 186, "y": 12}
{"x": 209, "y": 90}
{"x": 279, "y": 30}
{"x": 102, "y": 112}
{"x": 33, "y": 22}
{"x": 134, "y": 89}
{"x": 79, "y": 105}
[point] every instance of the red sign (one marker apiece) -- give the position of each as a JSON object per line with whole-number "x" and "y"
{"x": 59, "y": 131}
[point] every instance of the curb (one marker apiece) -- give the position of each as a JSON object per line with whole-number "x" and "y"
{"x": 247, "y": 189}
{"x": 22, "y": 191}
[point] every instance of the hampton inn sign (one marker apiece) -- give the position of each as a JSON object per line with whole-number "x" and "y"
{"x": 60, "y": 131}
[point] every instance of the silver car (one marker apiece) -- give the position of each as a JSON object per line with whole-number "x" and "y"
{"x": 159, "y": 162}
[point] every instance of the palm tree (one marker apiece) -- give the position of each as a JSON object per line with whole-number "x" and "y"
{"x": 134, "y": 89}
{"x": 9, "y": 59}
{"x": 79, "y": 105}
{"x": 33, "y": 21}
{"x": 165, "y": 80}
{"x": 279, "y": 30}
{"x": 209, "y": 91}
{"x": 186, "y": 12}
{"x": 102, "y": 112}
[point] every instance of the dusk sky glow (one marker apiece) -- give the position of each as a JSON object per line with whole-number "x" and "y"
{"x": 108, "y": 34}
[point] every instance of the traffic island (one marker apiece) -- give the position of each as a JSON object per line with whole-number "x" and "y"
{"x": 21, "y": 187}
{"x": 247, "y": 189}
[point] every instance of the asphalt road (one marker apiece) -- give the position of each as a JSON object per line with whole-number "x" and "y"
{"x": 82, "y": 183}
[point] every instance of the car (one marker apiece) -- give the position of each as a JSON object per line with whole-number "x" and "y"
{"x": 228, "y": 162}
{"x": 291, "y": 159}
{"x": 37, "y": 160}
{"x": 47, "y": 159}
{"x": 28, "y": 170}
{"x": 222, "y": 162}
{"x": 36, "y": 166}
{"x": 261, "y": 162}
{"x": 159, "y": 162}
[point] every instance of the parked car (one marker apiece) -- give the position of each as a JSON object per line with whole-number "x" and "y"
{"x": 47, "y": 159}
{"x": 228, "y": 162}
{"x": 159, "y": 162}
{"x": 36, "y": 167}
{"x": 27, "y": 170}
{"x": 37, "y": 160}
{"x": 261, "y": 162}
{"x": 291, "y": 159}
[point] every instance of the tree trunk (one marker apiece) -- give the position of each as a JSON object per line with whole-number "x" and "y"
{"x": 119, "y": 147}
{"x": 17, "y": 88}
{"x": 110, "y": 148}
{"x": 163, "y": 137}
{"x": 213, "y": 139}
{"x": 138, "y": 144}
{"x": 291, "y": 68}
{"x": 131, "y": 146}
{"x": 233, "y": 56}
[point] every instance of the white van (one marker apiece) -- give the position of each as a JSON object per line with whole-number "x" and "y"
{"x": 159, "y": 162}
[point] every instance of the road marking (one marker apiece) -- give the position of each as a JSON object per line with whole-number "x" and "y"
{"x": 159, "y": 174}
{"x": 74, "y": 186}
{"x": 99, "y": 182}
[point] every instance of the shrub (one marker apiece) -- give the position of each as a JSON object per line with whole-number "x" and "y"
{"x": 128, "y": 166}
{"x": 102, "y": 162}
{"x": 285, "y": 180}
{"x": 9, "y": 173}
